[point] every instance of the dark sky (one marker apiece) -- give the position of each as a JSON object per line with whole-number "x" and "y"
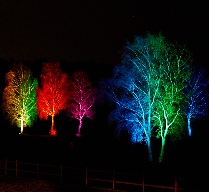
{"x": 96, "y": 30}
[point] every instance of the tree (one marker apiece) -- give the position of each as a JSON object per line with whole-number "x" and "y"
{"x": 52, "y": 96}
{"x": 147, "y": 89}
{"x": 19, "y": 96}
{"x": 134, "y": 87}
{"x": 171, "y": 100}
{"x": 198, "y": 95}
{"x": 82, "y": 98}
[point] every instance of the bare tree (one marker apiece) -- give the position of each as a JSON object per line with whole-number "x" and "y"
{"x": 171, "y": 99}
{"x": 19, "y": 96}
{"x": 52, "y": 96}
{"x": 82, "y": 98}
{"x": 197, "y": 97}
{"x": 134, "y": 87}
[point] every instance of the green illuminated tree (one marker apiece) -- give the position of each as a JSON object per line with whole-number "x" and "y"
{"x": 19, "y": 96}
{"x": 171, "y": 100}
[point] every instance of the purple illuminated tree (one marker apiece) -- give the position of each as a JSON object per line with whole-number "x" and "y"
{"x": 198, "y": 97}
{"x": 82, "y": 98}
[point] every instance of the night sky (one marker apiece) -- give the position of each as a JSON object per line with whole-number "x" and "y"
{"x": 97, "y": 31}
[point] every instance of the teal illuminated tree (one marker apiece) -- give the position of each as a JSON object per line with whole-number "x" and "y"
{"x": 82, "y": 98}
{"x": 19, "y": 96}
{"x": 198, "y": 97}
{"x": 134, "y": 87}
{"x": 52, "y": 96}
{"x": 171, "y": 100}
{"x": 148, "y": 90}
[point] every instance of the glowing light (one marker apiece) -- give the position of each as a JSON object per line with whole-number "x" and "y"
{"x": 82, "y": 98}
{"x": 168, "y": 116}
{"x": 19, "y": 97}
{"x": 52, "y": 96}
{"x": 53, "y": 132}
{"x": 147, "y": 90}
{"x": 197, "y": 97}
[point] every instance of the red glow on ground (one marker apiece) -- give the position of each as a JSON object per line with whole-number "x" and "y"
{"x": 53, "y": 132}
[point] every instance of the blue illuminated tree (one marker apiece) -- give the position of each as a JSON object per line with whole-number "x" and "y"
{"x": 134, "y": 88}
{"x": 130, "y": 106}
{"x": 198, "y": 97}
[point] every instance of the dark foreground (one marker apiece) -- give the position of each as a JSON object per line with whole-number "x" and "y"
{"x": 187, "y": 160}
{"x": 12, "y": 184}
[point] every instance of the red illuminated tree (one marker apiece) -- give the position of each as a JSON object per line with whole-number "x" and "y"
{"x": 53, "y": 93}
{"x": 82, "y": 98}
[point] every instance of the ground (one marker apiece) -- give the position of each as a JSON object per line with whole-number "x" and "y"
{"x": 13, "y": 184}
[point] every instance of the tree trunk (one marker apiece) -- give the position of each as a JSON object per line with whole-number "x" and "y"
{"x": 189, "y": 126}
{"x": 21, "y": 127}
{"x": 149, "y": 129}
{"x": 162, "y": 150}
{"x": 52, "y": 127}
{"x": 53, "y": 130}
{"x": 149, "y": 149}
{"x": 79, "y": 128}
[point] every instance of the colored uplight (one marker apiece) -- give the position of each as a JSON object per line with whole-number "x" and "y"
{"x": 82, "y": 98}
{"x": 147, "y": 90}
{"x": 19, "y": 97}
{"x": 52, "y": 96}
{"x": 197, "y": 97}
{"x": 53, "y": 132}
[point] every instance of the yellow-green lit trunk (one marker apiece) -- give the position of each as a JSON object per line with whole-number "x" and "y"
{"x": 21, "y": 126}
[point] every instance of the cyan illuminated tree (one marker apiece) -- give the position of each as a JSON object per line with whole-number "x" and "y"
{"x": 147, "y": 89}
{"x": 198, "y": 97}
{"x": 52, "y": 95}
{"x": 19, "y": 96}
{"x": 171, "y": 99}
{"x": 134, "y": 87}
{"x": 82, "y": 98}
